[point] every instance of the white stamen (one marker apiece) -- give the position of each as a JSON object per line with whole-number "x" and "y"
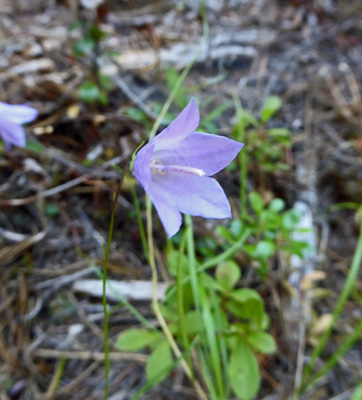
{"x": 159, "y": 168}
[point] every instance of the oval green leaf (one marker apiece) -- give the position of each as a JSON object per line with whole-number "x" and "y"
{"x": 244, "y": 372}
{"x": 262, "y": 342}
{"x": 227, "y": 274}
{"x": 159, "y": 363}
{"x": 136, "y": 339}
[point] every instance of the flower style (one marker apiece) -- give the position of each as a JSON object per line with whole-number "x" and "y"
{"x": 175, "y": 167}
{"x": 11, "y": 119}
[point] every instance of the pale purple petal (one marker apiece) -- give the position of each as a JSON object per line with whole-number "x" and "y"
{"x": 11, "y": 133}
{"x": 18, "y": 114}
{"x": 175, "y": 168}
{"x": 209, "y": 153}
{"x": 185, "y": 124}
{"x": 142, "y": 165}
{"x": 169, "y": 215}
{"x": 192, "y": 194}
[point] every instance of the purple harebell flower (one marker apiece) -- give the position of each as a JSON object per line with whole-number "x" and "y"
{"x": 175, "y": 167}
{"x": 11, "y": 119}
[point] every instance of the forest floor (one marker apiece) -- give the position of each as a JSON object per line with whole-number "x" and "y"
{"x": 56, "y": 194}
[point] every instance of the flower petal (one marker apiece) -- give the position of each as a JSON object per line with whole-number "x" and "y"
{"x": 209, "y": 153}
{"x": 18, "y": 114}
{"x": 184, "y": 124}
{"x": 192, "y": 194}
{"x": 142, "y": 165}
{"x": 11, "y": 133}
{"x": 169, "y": 215}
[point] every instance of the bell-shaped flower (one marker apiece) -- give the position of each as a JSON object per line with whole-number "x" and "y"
{"x": 11, "y": 119}
{"x": 175, "y": 167}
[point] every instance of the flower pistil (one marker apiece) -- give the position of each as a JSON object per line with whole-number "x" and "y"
{"x": 158, "y": 168}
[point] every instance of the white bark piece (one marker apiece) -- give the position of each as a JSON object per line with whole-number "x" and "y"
{"x": 39, "y": 65}
{"x": 117, "y": 290}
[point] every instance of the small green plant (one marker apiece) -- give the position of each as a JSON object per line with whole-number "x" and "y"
{"x": 233, "y": 324}
{"x": 227, "y": 322}
{"x": 311, "y": 377}
{"x": 98, "y": 85}
{"x": 272, "y": 228}
{"x": 210, "y": 315}
{"x": 265, "y": 146}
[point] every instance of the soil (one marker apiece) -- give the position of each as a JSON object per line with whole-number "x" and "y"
{"x": 56, "y": 195}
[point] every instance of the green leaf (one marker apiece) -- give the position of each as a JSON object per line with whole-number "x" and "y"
{"x": 299, "y": 248}
{"x": 357, "y": 394}
{"x": 271, "y": 106}
{"x": 217, "y": 112}
{"x": 111, "y": 53}
{"x": 193, "y": 323}
{"x": 276, "y": 205}
{"x": 244, "y": 372}
{"x": 103, "y": 98}
{"x": 262, "y": 342}
{"x": 181, "y": 95}
{"x": 83, "y": 46}
{"x": 88, "y": 92}
{"x": 158, "y": 362}
{"x": 75, "y": 25}
{"x": 247, "y": 305}
{"x": 227, "y": 274}
{"x": 136, "y": 339}
{"x": 290, "y": 219}
{"x": 245, "y": 119}
{"x": 264, "y": 250}
{"x": 209, "y": 127}
{"x": 282, "y": 167}
{"x": 36, "y": 147}
{"x": 224, "y": 232}
{"x": 256, "y": 202}
{"x": 173, "y": 259}
{"x": 271, "y": 219}
{"x": 105, "y": 82}
{"x": 236, "y": 228}
{"x": 246, "y": 294}
{"x": 96, "y": 34}
{"x": 279, "y": 133}
{"x": 136, "y": 114}
{"x": 207, "y": 246}
{"x": 51, "y": 209}
{"x": 169, "y": 311}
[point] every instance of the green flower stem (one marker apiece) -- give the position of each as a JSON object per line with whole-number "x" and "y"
{"x": 156, "y": 306}
{"x": 348, "y": 286}
{"x": 357, "y": 395}
{"x": 105, "y": 305}
{"x": 57, "y": 377}
{"x": 180, "y": 300}
{"x": 333, "y": 360}
{"x": 151, "y": 256}
{"x": 212, "y": 262}
{"x": 240, "y": 126}
{"x": 192, "y": 264}
{"x": 139, "y": 220}
{"x": 204, "y": 313}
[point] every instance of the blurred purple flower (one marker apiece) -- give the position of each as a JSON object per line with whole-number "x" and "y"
{"x": 175, "y": 167}
{"x": 11, "y": 119}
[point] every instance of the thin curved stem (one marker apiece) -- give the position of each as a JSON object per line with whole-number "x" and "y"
{"x": 347, "y": 288}
{"x": 156, "y": 306}
{"x": 105, "y": 305}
